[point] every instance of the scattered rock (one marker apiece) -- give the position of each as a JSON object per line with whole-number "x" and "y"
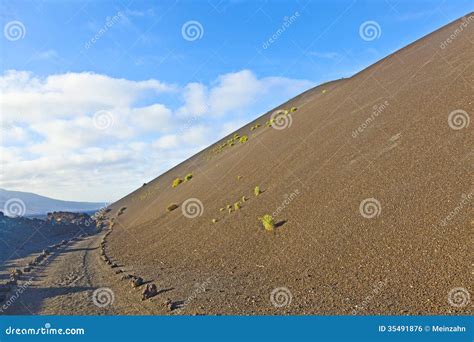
{"x": 114, "y": 265}
{"x": 126, "y": 277}
{"x": 26, "y": 269}
{"x": 16, "y": 272}
{"x": 138, "y": 281}
{"x": 38, "y": 259}
{"x": 118, "y": 271}
{"x": 150, "y": 291}
{"x": 169, "y": 304}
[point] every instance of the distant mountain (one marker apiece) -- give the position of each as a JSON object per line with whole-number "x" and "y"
{"x": 18, "y": 203}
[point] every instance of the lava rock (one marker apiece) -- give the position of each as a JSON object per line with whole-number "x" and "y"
{"x": 149, "y": 291}
{"x": 138, "y": 281}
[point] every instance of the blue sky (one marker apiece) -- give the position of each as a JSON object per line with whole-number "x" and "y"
{"x": 166, "y": 94}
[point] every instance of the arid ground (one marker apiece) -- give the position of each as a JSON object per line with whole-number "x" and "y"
{"x": 369, "y": 182}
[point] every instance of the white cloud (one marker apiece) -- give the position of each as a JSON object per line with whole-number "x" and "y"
{"x": 234, "y": 91}
{"x": 27, "y": 98}
{"x": 52, "y": 145}
{"x": 155, "y": 117}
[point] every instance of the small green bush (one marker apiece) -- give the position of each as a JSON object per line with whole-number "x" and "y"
{"x": 268, "y": 222}
{"x": 257, "y": 191}
{"x": 293, "y": 109}
{"x": 243, "y": 139}
{"x": 188, "y": 177}
{"x": 176, "y": 182}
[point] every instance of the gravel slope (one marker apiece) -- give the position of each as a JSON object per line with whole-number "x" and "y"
{"x": 327, "y": 255}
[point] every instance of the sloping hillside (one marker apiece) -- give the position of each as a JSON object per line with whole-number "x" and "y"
{"x": 370, "y": 187}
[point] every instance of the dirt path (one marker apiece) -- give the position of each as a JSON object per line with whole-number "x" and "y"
{"x": 65, "y": 282}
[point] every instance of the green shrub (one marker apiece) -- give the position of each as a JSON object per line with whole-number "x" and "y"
{"x": 268, "y": 222}
{"x": 257, "y": 191}
{"x": 188, "y": 177}
{"x": 243, "y": 139}
{"x": 237, "y": 205}
{"x": 176, "y": 182}
{"x": 293, "y": 109}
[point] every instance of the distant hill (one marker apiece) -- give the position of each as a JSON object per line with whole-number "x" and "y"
{"x": 29, "y": 204}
